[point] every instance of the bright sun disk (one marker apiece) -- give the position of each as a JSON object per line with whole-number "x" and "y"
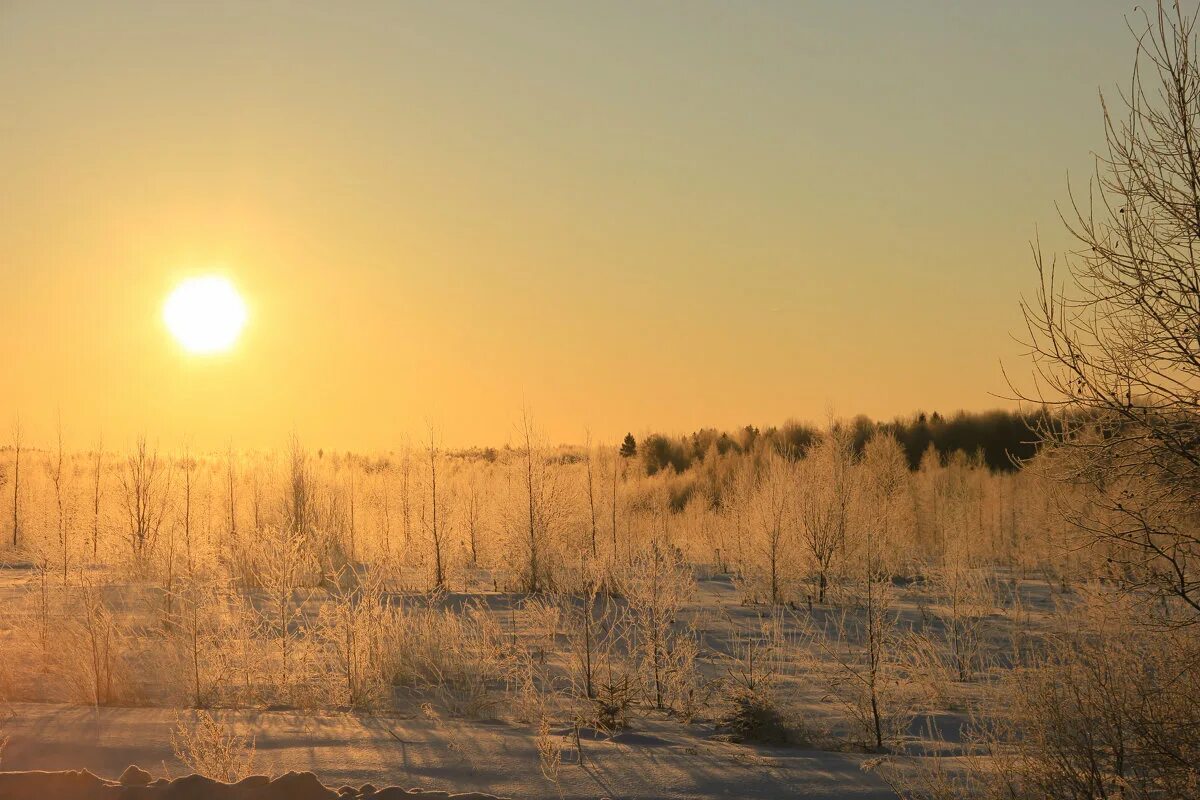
{"x": 205, "y": 314}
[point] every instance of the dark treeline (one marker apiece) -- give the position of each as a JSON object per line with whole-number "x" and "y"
{"x": 997, "y": 438}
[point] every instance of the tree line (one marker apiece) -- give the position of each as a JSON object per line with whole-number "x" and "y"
{"x": 997, "y": 439}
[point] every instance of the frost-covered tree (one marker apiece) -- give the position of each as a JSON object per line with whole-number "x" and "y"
{"x": 1115, "y": 325}
{"x": 826, "y": 491}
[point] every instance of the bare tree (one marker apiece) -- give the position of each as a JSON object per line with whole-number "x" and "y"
{"x": 540, "y": 507}
{"x": 58, "y": 479}
{"x": 826, "y": 490}
{"x": 351, "y": 469}
{"x": 189, "y": 469}
{"x": 436, "y": 533}
{"x": 406, "y": 495}
{"x": 230, "y": 496}
{"x": 1116, "y": 340}
{"x": 97, "y": 475}
{"x": 771, "y": 510}
{"x": 199, "y": 627}
{"x": 589, "y": 619}
{"x": 256, "y": 497}
{"x": 529, "y": 458}
{"x": 281, "y": 576}
{"x": 300, "y": 489}
{"x": 884, "y": 462}
{"x": 618, "y": 464}
{"x": 475, "y": 501}
{"x": 741, "y": 496}
{"x": 104, "y": 634}
{"x": 383, "y": 504}
{"x": 145, "y": 490}
{"x": 656, "y": 585}
{"x": 16, "y": 503}
{"x": 866, "y": 677}
{"x": 591, "y": 488}
{"x": 886, "y": 483}
{"x": 1114, "y": 331}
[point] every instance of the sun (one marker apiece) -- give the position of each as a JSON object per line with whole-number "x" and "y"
{"x": 205, "y": 314}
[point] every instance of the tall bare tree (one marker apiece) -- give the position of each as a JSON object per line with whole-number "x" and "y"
{"x": 299, "y": 500}
{"x": 591, "y": 487}
{"x": 772, "y": 512}
{"x": 145, "y": 490}
{"x": 475, "y": 501}
{"x": 189, "y": 465}
{"x": 231, "y": 496}
{"x": 1115, "y": 325}
{"x": 58, "y": 480}
{"x": 618, "y": 464}
{"x": 436, "y": 530}
{"x": 406, "y": 494}
{"x": 885, "y": 485}
{"x": 97, "y": 491}
{"x": 352, "y": 495}
{"x": 826, "y": 489}
{"x": 529, "y": 459}
{"x": 541, "y": 506}
{"x": 16, "y": 500}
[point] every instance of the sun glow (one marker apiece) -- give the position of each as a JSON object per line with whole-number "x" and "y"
{"x": 205, "y": 314}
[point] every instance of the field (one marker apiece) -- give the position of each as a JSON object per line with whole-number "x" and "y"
{"x": 234, "y": 236}
{"x": 533, "y": 621}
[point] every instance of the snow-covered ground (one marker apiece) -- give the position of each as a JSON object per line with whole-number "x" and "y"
{"x": 412, "y": 744}
{"x": 660, "y": 760}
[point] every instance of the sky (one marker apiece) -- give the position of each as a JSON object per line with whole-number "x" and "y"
{"x": 619, "y": 215}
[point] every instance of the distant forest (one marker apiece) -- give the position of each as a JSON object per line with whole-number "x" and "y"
{"x": 998, "y": 439}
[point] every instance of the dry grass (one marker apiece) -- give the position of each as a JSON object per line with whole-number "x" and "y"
{"x": 549, "y": 750}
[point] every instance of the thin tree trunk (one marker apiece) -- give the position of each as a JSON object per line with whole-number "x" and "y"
{"x": 591, "y": 493}
{"x": 16, "y": 504}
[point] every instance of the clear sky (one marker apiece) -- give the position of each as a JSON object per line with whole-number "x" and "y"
{"x": 641, "y": 215}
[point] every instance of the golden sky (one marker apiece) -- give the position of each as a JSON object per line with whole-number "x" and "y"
{"x": 624, "y": 215}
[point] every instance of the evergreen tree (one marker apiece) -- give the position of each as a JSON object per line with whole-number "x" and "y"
{"x": 629, "y": 446}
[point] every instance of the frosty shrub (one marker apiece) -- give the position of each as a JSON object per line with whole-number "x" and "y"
{"x": 211, "y": 748}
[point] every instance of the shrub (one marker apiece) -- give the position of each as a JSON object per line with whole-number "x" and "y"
{"x": 753, "y": 716}
{"x": 212, "y": 749}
